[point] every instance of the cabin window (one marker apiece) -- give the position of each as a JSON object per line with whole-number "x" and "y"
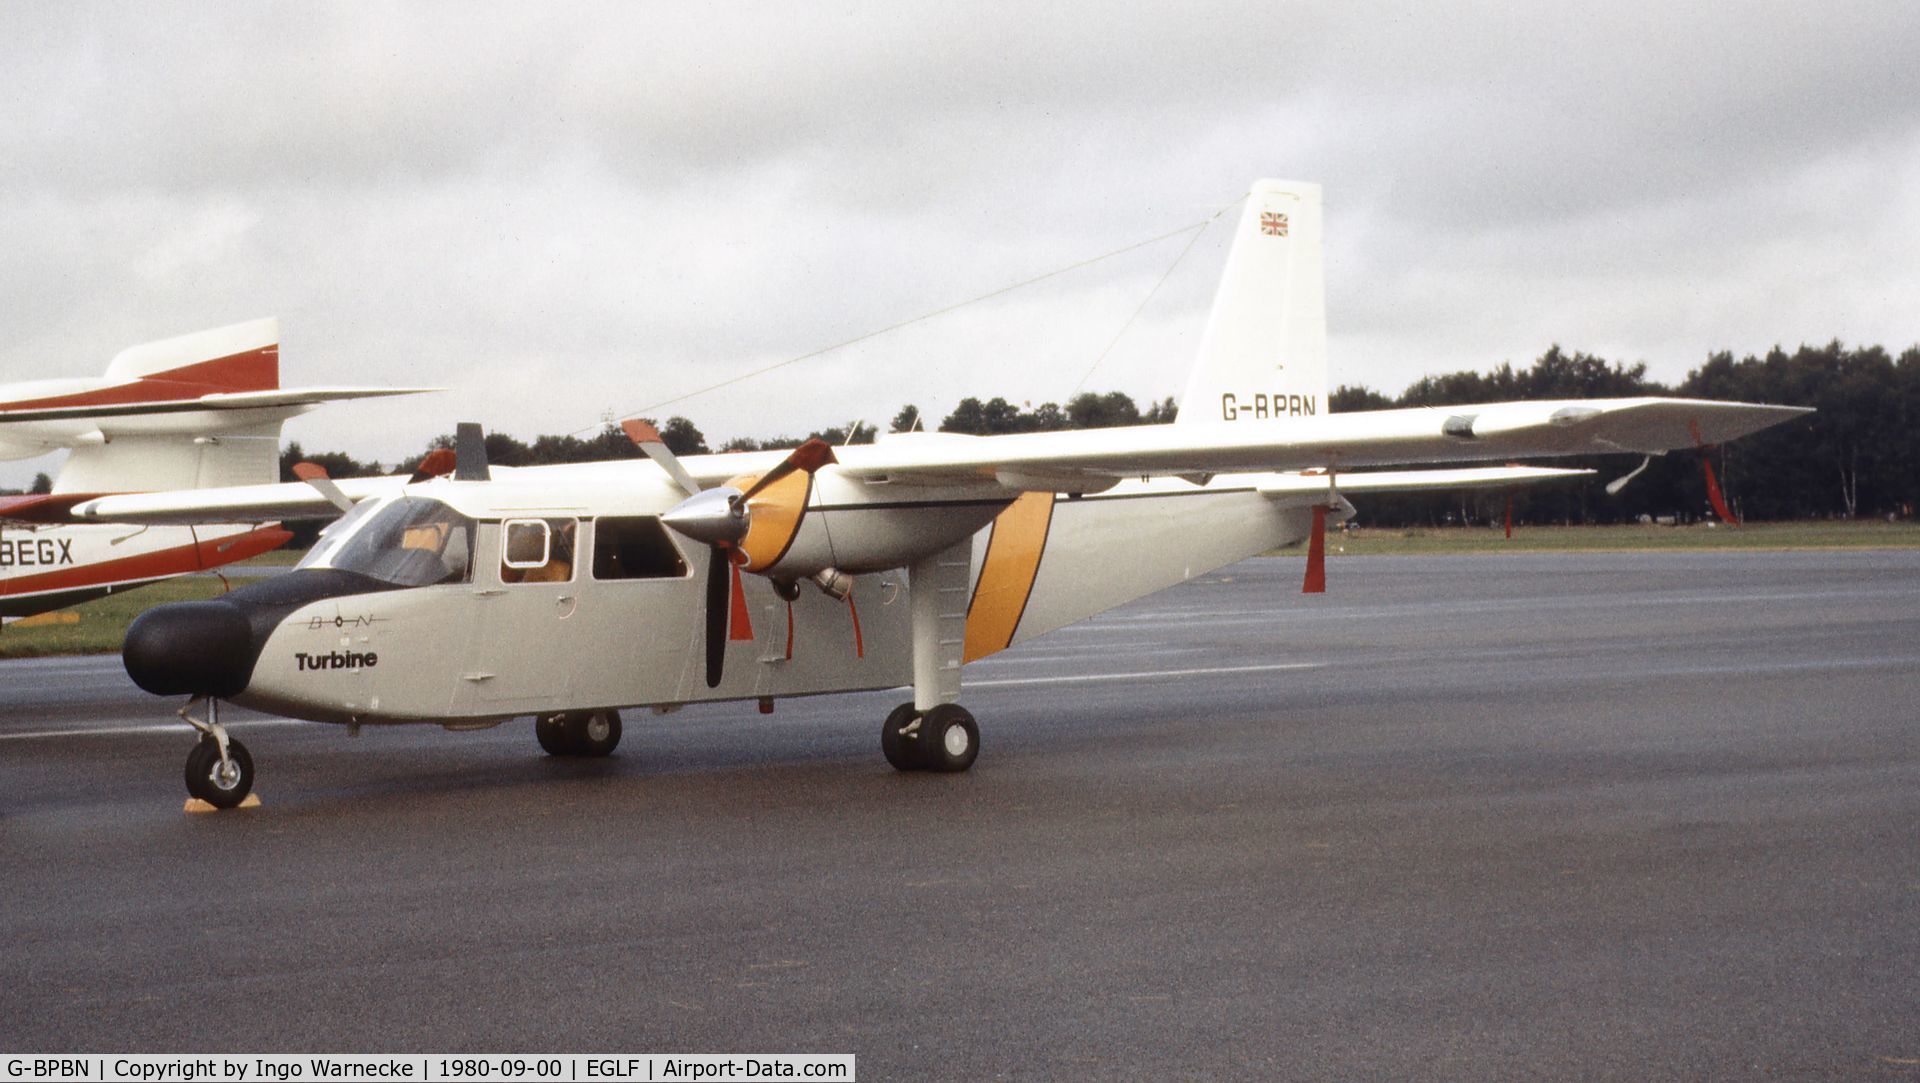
{"x": 634, "y": 547}
{"x": 537, "y": 551}
{"x": 408, "y": 541}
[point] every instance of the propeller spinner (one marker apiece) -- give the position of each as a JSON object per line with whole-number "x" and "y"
{"x": 721, "y": 518}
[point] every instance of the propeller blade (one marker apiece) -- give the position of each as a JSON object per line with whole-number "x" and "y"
{"x": 717, "y": 613}
{"x": 809, "y": 456}
{"x": 470, "y": 452}
{"x": 648, "y": 439}
{"x": 438, "y": 463}
{"x": 1316, "y": 582}
{"x": 316, "y": 475}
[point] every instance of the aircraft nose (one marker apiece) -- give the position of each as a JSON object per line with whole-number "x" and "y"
{"x": 195, "y": 648}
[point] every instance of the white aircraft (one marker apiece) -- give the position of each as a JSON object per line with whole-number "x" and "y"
{"x": 570, "y": 593}
{"x": 201, "y": 410}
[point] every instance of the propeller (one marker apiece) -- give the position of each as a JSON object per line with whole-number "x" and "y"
{"x": 315, "y": 475}
{"x": 438, "y": 463}
{"x": 721, "y": 518}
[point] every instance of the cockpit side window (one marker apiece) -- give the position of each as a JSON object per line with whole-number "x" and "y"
{"x": 537, "y": 550}
{"x": 635, "y": 547}
{"x": 410, "y": 541}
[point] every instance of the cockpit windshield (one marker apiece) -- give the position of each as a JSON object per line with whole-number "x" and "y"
{"x": 408, "y": 541}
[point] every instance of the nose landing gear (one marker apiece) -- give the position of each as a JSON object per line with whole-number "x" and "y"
{"x": 219, "y": 769}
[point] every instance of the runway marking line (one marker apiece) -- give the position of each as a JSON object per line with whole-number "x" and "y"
{"x": 1207, "y": 671}
{"x": 156, "y": 727}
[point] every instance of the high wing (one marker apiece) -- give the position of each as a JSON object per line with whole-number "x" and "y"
{"x": 1089, "y": 460}
{"x": 1316, "y": 487}
{"x": 284, "y": 501}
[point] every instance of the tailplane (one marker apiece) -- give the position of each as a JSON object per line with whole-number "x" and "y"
{"x": 1263, "y": 358}
{"x": 190, "y": 412}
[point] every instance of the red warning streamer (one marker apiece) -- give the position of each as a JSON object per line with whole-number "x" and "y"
{"x": 740, "y": 623}
{"x": 1714, "y": 496}
{"x": 1317, "y": 555}
{"x": 859, "y": 644}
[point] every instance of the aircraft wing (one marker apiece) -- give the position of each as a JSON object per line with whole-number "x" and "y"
{"x": 1316, "y": 485}
{"x": 1087, "y": 460}
{"x": 236, "y": 504}
{"x": 220, "y": 400}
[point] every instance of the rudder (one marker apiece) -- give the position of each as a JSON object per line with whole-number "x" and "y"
{"x": 1263, "y": 357}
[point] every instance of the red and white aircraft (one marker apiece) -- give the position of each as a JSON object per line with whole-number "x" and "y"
{"x": 198, "y": 411}
{"x": 571, "y": 592}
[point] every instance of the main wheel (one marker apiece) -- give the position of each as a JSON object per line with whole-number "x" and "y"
{"x": 220, "y": 785}
{"x": 901, "y": 751}
{"x": 551, "y": 731}
{"x": 949, "y": 739}
{"x": 592, "y": 733}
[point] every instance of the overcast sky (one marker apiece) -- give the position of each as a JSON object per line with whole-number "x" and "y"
{"x": 563, "y": 211}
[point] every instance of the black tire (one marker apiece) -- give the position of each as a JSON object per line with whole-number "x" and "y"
{"x": 949, "y": 738}
{"x": 593, "y": 733}
{"x": 900, "y": 750}
{"x": 551, "y": 731}
{"x": 203, "y": 775}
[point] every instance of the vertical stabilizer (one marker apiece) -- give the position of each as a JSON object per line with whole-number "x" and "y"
{"x": 1263, "y": 358}
{"x": 239, "y": 357}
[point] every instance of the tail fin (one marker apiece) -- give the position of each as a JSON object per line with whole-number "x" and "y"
{"x": 191, "y": 412}
{"x": 1263, "y": 357}
{"x": 197, "y": 410}
{"x": 239, "y": 357}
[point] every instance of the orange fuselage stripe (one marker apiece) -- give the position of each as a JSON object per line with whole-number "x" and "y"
{"x": 1007, "y": 574}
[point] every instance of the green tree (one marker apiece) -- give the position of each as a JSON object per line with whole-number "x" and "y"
{"x": 1347, "y": 399}
{"x": 1089, "y": 410}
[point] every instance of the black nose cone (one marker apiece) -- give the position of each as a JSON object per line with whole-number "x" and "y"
{"x": 195, "y": 648}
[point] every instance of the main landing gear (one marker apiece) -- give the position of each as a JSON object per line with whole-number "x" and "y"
{"x": 578, "y": 733}
{"x": 219, "y": 769}
{"x": 942, "y": 739}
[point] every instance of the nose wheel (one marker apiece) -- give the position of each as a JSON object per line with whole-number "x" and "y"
{"x": 219, "y": 769}
{"x": 945, "y": 738}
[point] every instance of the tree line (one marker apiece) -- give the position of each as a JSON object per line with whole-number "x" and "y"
{"x": 1859, "y": 455}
